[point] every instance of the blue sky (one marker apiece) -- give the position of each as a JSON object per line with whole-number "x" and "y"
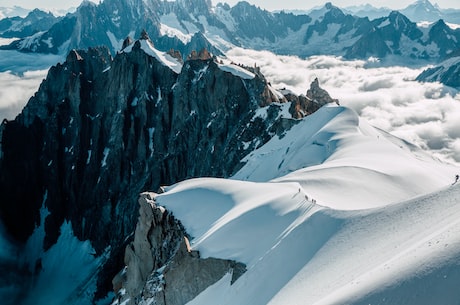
{"x": 267, "y": 4}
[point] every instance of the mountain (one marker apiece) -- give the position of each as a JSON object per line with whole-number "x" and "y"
{"x": 15, "y": 11}
{"x": 102, "y": 24}
{"x": 35, "y": 22}
{"x": 327, "y": 200}
{"x": 367, "y": 10}
{"x": 184, "y": 27}
{"x": 447, "y": 72}
{"x": 397, "y": 35}
{"x": 451, "y": 15}
{"x": 423, "y": 10}
{"x": 100, "y": 130}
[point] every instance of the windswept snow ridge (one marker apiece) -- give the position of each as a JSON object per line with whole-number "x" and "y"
{"x": 237, "y": 71}
{"x": 345, "y": 163}
{"x": 320, "y": 227}
{"x": 164, "y": 58}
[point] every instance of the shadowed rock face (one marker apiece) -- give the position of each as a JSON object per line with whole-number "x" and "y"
{"x": 447, "y": 72}
{"x": 160, "y": 265}
{"x": 100, "y": 130}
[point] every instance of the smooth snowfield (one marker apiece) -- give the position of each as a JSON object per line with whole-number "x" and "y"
{"x": 345, "y": 219}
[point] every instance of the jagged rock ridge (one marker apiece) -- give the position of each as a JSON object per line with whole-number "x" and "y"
{"x": 100, "y": 130}
{"x": 160, "y": 265}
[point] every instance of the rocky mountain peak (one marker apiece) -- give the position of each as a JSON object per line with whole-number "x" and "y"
{"x": 160, "y": 264}
{"x": 144, "y": 35}
{"x": 319, "y": 95}
{"x": 100, "y": 130}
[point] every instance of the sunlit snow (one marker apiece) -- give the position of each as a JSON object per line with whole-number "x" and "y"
{"x": 336, "y": 231}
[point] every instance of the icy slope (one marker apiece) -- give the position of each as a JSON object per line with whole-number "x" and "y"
{"x": 299, "y": 252}
{"x": 344, "y": 163}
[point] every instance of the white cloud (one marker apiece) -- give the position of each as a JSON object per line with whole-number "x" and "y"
{"x": 426, "y": 114}
{"x": 20, "y": 76}
{"x": 15, "y": 91}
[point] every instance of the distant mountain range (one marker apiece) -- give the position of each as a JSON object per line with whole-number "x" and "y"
{"x": 15, "y": 11}
{"x": 186, "y": 26}
{"x": 421, "y": 10}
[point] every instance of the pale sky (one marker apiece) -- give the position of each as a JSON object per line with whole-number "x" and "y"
{"x": 266, "y": 4}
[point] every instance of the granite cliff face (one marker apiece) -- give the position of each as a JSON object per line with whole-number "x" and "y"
{"x": 100, "y": 130}
{"x": 160, "y": 266}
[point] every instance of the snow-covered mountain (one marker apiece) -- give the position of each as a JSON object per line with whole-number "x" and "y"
{"x": 367, "y": 10}
{"x": 447, "y": 72}
{"x": 424, "y": 10}
{"x": 328, "y": 213}
{"x": 185, "y": 27}
{"x": 35, "y": 22}
{"x": 15, "y": 11}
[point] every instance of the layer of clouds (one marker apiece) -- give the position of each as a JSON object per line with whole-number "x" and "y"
{"x": 426, "y": 114}
{"x": 16, "y": 90}
{"x": 20, "y": 77}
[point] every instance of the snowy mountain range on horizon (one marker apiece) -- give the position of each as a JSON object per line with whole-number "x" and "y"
{"x": 433, "y": 11}
{"x": 175, "y": 25}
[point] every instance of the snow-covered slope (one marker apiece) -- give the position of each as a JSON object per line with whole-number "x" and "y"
{"x": 297, "y": 235}
{"x": 344, "y": 163}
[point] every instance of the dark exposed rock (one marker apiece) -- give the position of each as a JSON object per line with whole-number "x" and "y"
{"x": 318, "y": 95}
{"x": 302, "y": 106}
{"x": 128, "y": 41}
{"x": 447, "y": 72}
{"x": 160, "y": 265}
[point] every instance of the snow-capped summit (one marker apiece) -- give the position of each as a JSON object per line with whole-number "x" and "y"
{"x": 423, "y": 10}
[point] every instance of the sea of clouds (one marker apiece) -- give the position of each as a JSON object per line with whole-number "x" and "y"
{"x": 20, "y": 77}
{"x": 388, "y": 97}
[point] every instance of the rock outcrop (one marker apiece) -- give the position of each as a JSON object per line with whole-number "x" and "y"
{"x": 160, "y": 267}
{"x": 316, "y": 98}
{"x": 101, "y": 130}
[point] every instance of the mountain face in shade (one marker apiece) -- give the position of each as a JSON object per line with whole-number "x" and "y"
{"x": 447, "y": 72}
{"x": 100, "y": 130}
